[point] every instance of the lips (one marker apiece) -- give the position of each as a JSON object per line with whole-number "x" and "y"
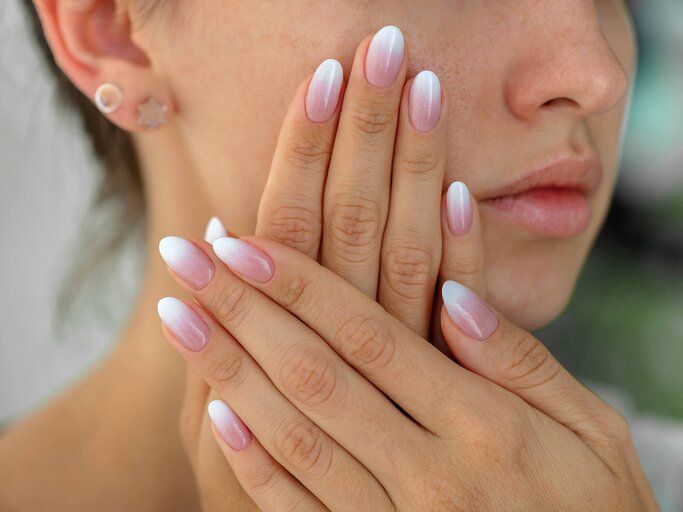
{"x": 553, "y": 200}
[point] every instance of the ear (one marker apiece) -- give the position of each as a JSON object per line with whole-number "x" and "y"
{"x": 92, "y": 43}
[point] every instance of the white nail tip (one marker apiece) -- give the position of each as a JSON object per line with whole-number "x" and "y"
{"x": 214, "y": 230}
{"x": 173, "y": 248}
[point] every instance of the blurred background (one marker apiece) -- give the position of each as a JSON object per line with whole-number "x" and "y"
{"x": 622, "y": 333}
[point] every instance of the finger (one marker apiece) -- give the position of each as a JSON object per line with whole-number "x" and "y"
{"x": 304, "y": 367}
{"x": 263, "y": 478}
{"x": 403, "y": 365}
{"x": 493, "y": 347}
{"x": 411, "y": 246}
{"x": 356, "y": 198}
{"x": 290, "y": 210}
{"x": 463, "y": 251}
{"x": 299, "y": 445}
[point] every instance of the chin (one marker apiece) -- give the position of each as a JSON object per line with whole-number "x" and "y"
{"x": 532, "y": 285}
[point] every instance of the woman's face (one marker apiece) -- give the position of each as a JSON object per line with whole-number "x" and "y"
{"x": 529, "y": 82}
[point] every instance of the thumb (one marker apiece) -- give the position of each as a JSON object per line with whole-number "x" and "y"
{"x": 486, "y": 343}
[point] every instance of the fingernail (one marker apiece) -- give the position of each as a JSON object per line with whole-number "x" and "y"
{"x": 468, "y": 311}
{"x": 459, "y": 208}
{"x": 214, "y": 230}
{"x": 185, "y": 324}
{"x": 187, "y": 260}
{"x": 323, "y": 91}
{"x": 228, "y": 425}
{"x": 385, "y": 56}
{"x": 253, "y": 263}
{"x": 425, "y": 101}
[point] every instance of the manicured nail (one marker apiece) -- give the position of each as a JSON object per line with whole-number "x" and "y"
{"x": 459, "y": 208}
{"x": 185, "y": 324}
{"x": 385, "y": 56}
{"x": 425, "y": 101}
{"x": 214, "y": 230}
{"x": 253, "y": 263}
{"x": 468, "y": 311}
{"x": 323, "y": 91}
{"x": 187, "y": 260}
{"x": 228, "y": 425}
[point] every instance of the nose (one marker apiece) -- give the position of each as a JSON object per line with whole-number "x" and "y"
{"x": 567, "y": 62}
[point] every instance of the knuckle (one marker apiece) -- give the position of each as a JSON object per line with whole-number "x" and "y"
{"x": 354, "y": 221}
{"x": 422, "y": 162}
{"x": 309, "y": 377}
{"x": 366, "y": 343}
{"x": 227, "y": 371}
{"x": 305, "y": 447}
{"x": 295, "y": 292}
{"x": 408, "y": 269}
{"x": 231, "y": 303}
{"x": 295, "y": 226}
{"x": 307, "y": 151}
{"x": 371, "y": 118}
{"x": 615, "y": 427}
{"x": 261, "y": 477}
{"x": 527, "y": 362}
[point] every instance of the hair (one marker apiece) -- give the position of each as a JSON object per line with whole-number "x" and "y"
{"x": 119, "y": 196}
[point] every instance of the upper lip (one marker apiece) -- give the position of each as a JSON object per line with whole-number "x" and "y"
{"x": 580, "y": 173}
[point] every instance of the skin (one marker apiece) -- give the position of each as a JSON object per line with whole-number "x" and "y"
{"x": 521, "y": 95}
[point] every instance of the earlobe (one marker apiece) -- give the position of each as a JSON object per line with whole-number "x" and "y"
{"x": 92, "y": 43}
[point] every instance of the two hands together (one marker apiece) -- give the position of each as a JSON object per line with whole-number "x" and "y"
{"x": 321, "y": 331}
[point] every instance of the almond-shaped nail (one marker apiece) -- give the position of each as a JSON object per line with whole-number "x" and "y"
{"x": 214, "y": 230}
{"x": 228, "y": 425}
{"x": 323, "y": 91}
{"x": 385, "y": 56}
{"x": 185, "y": 324}
{"x": 187, "y": 261}
{"x": 459, "y": 208}
{"x": 246, "y": 259}
{"x": 468, "y": 311}
{"x": 425, "y": 101}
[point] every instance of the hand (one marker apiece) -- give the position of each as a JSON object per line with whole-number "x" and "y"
{"x": 343, "y": 180}
{"x": 317, "y": 362}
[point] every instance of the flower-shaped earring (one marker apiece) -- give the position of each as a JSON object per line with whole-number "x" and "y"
{"x": 151, "y": 112}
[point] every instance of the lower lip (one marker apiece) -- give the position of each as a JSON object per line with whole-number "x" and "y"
{"x": 558, "y": 212}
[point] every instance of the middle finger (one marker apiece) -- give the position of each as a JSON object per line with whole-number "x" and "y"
{"x": 356, "y": 200}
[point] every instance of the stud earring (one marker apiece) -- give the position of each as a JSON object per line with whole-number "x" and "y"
{"x": 108, "y": 98}
{"x": 152, "y": 113}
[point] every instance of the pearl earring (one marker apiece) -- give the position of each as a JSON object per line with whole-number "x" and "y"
{"x": 108, "y": 98}
{"x": 152, "y": 113}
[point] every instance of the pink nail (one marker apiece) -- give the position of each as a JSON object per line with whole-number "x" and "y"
{"x": 228, "y": 425}
{"x": 468, "y": 311}
{"x": 459, "y": 208}
{"x": 425, "y": 101}
{"x": 323, "y": 91}
{"x": 185, "y": 324}
{"x": 385, "y": 56}
{"x": 249, "y": 261}
{"x": 187, "y": 260}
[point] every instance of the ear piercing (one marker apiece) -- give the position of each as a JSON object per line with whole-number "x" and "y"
{"x": 151, "y": 112}
{"x": 108, "y": 98}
